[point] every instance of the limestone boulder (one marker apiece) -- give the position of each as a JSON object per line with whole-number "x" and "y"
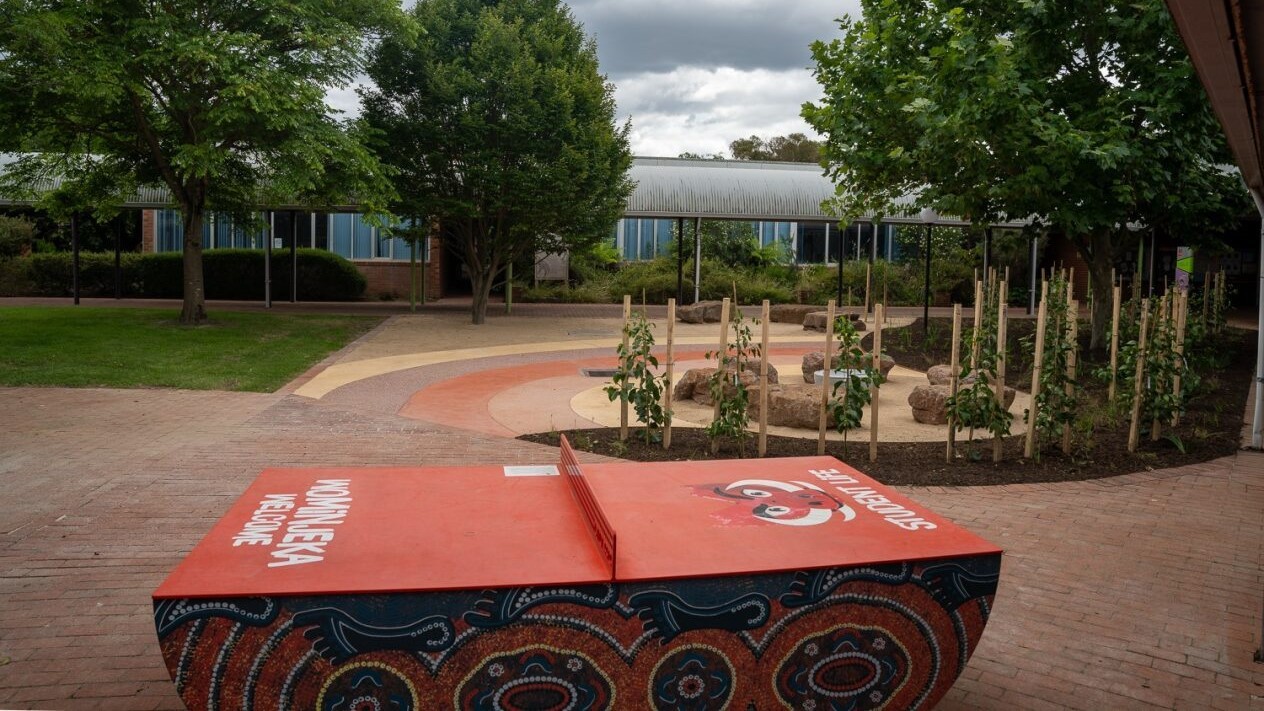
{"x": 815, "y": 361}
{"x": 940, "y": 375}
{"x": 815, "y": 321}
{"x": 929, "y": 403}
{"x": 790, "y": 313}
{"x": 695, "y": 383}
{"x": 791, "y": 405}
{"x": 704, "y": 312}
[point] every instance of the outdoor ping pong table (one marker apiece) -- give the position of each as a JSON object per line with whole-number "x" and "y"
{"x": 778, "y": 583}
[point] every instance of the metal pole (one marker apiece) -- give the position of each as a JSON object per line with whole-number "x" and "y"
{"x": 987, "y": 251}
{"x": 1031, "y": 302}
{"x": 412, "y": 275}
{"x": 1152, "y": 231}
{"x": 842, "y": 254}
{"x": 697, "y": 259}
{"x": 680, "y": 260}
{"x": 267, "y": 261}
{"x": 926, "y": 300}
{"x": 509, "y": 287}
{"x": 74, "y": 246}
{"x": 293, "y": 256}
{"x": 118, "y": 257}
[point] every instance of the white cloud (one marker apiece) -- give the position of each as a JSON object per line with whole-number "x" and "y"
{"x": 702, "y": 110}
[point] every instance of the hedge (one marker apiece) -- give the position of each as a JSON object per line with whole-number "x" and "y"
{"x": 235, "y": 274}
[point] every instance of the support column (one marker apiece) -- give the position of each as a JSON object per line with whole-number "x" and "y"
{"x": 842, "y": 253}
{"x": 1031, "y": 301}
{"x": 267, "y": 261}
{"x": 293, "y": 256}
{"x": 74, "y": 248}
{"x": 697, "y": 259}
{"x": 118, "y": 257}
{"x": 926, "y": 300}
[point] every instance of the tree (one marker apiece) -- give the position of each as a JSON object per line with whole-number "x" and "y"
{"x": 222, "y": 102}
{"x": 794, "y": 148}
{"x": 501, "y": 127}
{"x": 1085, "y": 116}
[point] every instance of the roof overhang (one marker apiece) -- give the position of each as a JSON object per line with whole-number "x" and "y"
{"x": 1225, "y": 39}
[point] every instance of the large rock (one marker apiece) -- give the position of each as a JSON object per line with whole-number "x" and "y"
{"x": 790, "y": 313}
{"x": 940, "y": 375}
{"x": 791, "y": 405}
{"x": 695, "y": 383}
{"x": 704, "y": 312}
{"x": 815, "y": 321}
{"x": 815, "y": 361}
{"x": 929, "y": 403}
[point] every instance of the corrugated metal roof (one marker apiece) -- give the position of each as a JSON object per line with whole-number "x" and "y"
{"x": 744, "y": 190}
{"x": 666, "y": 187}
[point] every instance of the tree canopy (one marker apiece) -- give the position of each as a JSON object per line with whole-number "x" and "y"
{"x": 793, "y": 148}
{"x": 222, "y": 102}
{"x": 501, "y": 127}
{"x": 1085, "y": 116}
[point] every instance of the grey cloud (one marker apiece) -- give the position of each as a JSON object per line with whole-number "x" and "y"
{"x": 657, "y": 35}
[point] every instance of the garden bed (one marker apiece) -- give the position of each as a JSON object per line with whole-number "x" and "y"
{"x": 1210, "y": 429}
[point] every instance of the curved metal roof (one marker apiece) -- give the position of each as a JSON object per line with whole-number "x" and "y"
{"x": 745, "y": 190}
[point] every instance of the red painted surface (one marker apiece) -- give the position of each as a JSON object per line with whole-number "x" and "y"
{"x": 687, "y": 519}
{"x": 344, "y": 531}
{"x": 464, "y": 401}
{"x": 403, "y": 530}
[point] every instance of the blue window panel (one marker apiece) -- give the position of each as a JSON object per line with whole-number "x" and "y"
{"x": 402, "y": 250}
{"x": 224, "y": 232}
{"x": 170, "y": 232}
{"x": 631, "y": 243}
{"x": 663, "y": 235}
{"x": 341, "y": 231}
{"x": 364, "y": 247}
{"x": 647, "y": 239}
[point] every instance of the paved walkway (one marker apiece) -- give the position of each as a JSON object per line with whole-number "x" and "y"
{"x": 1134, "y": 592}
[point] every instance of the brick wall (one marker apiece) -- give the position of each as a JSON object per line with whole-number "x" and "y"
{"x": 390, "y": 278}
{"x": 148, "y": 230}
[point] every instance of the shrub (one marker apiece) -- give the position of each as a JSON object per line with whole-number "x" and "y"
{"x": 656, "y": 278}
{"x": 230, "y": 274}
{"x": 16, "y": 236}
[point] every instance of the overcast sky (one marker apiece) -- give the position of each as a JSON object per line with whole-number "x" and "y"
{"x": 694, "y": 75}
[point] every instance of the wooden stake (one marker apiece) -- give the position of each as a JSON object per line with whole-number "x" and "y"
{"x": 1181, "y": 308}
{"x": 671, "y": 366}
{"x": 1162, "y": 321}
{"x": 828, "y": 367}
{"x": 1073, "y": 327}
{"x": 763, "y": 379}
{"x": 956, "y": 367}
{"x": 873, "y": 385}
{"x": 623, "y": 401}
{"x": 1134, "y": 428}
{"x": 978, "y": 322}
{"x": 1116, "y": 304}
{"x": 1001, "y": 323}
{"x": 1042, "y": 315}
{"x": 725, "y": 305}
{"x": 868, "y": 276}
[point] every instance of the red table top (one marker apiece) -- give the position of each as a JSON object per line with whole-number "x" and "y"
{"x": 377, "y": 530}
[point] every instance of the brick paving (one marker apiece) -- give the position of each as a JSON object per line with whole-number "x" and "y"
{"x": 1134, "y": 592}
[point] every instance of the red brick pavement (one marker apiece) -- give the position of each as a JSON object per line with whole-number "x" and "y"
{"x": 1134, "y": 592}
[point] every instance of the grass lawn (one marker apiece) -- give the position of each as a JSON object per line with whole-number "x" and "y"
{"x": 135, "y": 348}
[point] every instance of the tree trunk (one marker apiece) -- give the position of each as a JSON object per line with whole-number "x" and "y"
{"x": 1099, "y": 264}
{"x": 482, "y": 286}
{"x": 194, "y": 309}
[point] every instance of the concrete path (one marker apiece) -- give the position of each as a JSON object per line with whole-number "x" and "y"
{"x": 1133, "y": 592}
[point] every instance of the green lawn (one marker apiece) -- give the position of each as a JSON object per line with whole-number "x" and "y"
{"x": 132, "y": 348}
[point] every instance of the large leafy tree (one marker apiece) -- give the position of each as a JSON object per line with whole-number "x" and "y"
{"x": 500, "y": 126}
{"x": 221, "y": 101}
{"x": 1083, "y": 115}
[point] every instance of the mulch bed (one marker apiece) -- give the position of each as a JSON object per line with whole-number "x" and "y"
{"x": 1210, "y": 429}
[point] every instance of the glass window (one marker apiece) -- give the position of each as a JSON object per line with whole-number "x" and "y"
{"x": 663, "y": 231}
{"x": 645, "y": 233}
{"x": 631, "y": 239}
{"x": 364, "y": 239}
{"x": 321, "y": 238}
{"x": 341, "y": 229}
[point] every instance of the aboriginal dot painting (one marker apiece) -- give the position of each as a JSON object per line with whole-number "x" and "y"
{"x": 892, "y": 636}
